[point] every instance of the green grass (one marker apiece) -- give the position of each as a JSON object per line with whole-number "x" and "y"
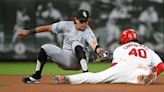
{"x": 20, "y": 68}
{"x": 24, "y": 68}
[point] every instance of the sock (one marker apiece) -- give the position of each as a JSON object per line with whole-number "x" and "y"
{"x": 84, "y": 65}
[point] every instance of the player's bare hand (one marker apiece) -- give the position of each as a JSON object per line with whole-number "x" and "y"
{"x": 23, "y": 33}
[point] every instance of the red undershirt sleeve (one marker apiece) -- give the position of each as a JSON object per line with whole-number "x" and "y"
{"x": 160, "y": 68}
{"x": 113, "y": 64}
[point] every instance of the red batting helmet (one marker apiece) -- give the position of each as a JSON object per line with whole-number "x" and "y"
{"x": 128, "y": 35}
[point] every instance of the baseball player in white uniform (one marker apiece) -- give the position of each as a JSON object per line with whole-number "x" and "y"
{"x": 74, "y": 53}
{"x": 132, "y": 63}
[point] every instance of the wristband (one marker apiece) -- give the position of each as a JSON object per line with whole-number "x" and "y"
{"x": 98, "y": 46}
{"x": 32, "y": 31}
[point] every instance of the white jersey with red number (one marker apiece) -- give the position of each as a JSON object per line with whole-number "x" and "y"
{"x": 135, "y": 51}
{"x": 133, "y": 60}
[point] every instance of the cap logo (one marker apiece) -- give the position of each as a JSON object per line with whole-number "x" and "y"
{"x": 84, "y": 14}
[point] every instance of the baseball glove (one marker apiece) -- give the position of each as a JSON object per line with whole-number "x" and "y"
{"x": 103, "y": 56}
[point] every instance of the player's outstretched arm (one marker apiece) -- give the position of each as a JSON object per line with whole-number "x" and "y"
{"x": 46, "y": 28}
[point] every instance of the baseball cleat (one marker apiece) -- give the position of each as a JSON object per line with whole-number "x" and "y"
{"x": 143, "y": 79}
{"x": 58, "y": 79}
{"x": 31, "y": 79}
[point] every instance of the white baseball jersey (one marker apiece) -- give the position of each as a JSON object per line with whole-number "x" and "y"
{"x": 66, "y": 57}
{"x": 138, "y": 52}
{"x": 133, "y": 59}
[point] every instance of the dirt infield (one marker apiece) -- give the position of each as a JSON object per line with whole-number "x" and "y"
{"x": 13, "y": 83}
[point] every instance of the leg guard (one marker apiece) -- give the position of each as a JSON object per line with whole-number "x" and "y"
{"x": 80, "y": 53}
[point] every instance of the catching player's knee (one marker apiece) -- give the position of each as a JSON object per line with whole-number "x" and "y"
{"x": 45, "y": 46}
{"x": 80, "y": 53}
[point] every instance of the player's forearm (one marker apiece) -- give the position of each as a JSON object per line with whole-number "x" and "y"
{"x": 46, "y": 28}
{"x": 95, "y": 47}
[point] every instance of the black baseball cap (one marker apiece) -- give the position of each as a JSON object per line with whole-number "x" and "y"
{"x": 82, "y": 14}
